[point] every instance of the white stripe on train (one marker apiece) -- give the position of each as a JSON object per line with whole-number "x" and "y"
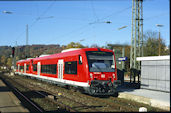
{"x": 83, "y": 84}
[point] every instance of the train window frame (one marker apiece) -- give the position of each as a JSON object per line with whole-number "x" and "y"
{"x": 104, "y": 53}
{"x": 27, "y": 67}
{"x": 22, "y": 68}
{"x": 80, "y": 59}
{"x": 49, "y": 69}
{"x": 35, "y": 67}
{"x": 66, "y": 68}
{"x": 32, "y": 62}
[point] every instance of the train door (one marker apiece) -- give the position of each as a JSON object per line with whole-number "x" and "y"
{"x": 24, "y": 67}
{"x": 18, "y": 67}
{"x": 60, "y": 69}
{"x": 38, "y": 68}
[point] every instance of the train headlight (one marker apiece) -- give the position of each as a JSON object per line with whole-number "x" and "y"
{"x": 113, "y": 75}
{"x": 91, "y": 75}
{"x": 103, "y": 76}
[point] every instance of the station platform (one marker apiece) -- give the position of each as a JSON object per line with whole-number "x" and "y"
{"x": 151, "y": 97}
{"x": 8, "y": 101}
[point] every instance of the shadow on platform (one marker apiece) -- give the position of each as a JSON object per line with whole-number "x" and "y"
{"x": 127, "y": 86}
{"x": 4, "y": 89}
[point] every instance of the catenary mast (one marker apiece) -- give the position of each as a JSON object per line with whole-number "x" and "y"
{"x": 136, "y": 34}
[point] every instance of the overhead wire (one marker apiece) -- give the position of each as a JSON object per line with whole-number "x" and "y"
{"x": 96, "y": 18}
{"x": 114, "y": 13}
{"x": 43, "y": 13}
{"x": 87, "y": 25}
{"x": 37, "y": 19}
{"x": 93, "y": 10}
{"x": 69, "y": 33}
{"x": 156, "y": 16}
{"x": 78, "y": 29}
{"x": 117, "y": 12}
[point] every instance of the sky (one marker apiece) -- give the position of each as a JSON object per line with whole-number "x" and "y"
{"x": 62, "y": 22}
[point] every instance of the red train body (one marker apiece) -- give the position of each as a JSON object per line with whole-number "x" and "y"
{"x": 92, "y": 70}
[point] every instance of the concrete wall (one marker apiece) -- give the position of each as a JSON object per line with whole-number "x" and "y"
{"x": 155, "y": 73}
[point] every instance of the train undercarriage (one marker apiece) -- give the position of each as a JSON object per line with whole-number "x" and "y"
{"x": 102, "y": 88}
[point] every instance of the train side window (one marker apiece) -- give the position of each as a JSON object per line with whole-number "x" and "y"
{"x": 49, "y": 69}
{"x": 80, "y": 59}
{"x": 21, "y": 68}
{"x": 71, "y": 67}
{"x": 34, "y": 67}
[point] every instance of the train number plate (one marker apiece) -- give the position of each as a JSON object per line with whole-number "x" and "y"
{"x": 103, "y": 76}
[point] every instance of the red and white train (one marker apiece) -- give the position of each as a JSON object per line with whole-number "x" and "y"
{"x": 92, "y": 70}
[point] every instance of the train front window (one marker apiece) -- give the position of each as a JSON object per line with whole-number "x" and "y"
{"x": 99, "y": 61}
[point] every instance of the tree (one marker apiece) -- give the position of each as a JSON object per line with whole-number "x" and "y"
{"x": 9, "y": 62}
{"x": 151, "y": 44}
{"x": 74, "y": 45}
{"x": 3, "y": 60}
{"x": 17, "y": 58}
{"x": 168, "y": 50}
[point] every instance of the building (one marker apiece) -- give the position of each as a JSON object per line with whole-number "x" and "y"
{"x": 155, "y": 72}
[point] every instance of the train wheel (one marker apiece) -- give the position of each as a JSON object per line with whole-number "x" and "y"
{"x": 67, "y": 87}
{"x": 116, "y": 94}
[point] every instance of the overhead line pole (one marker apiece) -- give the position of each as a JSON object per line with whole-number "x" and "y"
{"x": 26, "y": 41}
{"x": 159, "y": 42}
{"x": 142, "y": 42}
{"x": 27, "y": 34}
{"x": 132, "y": 34}
{"x": 136, "y": 38}
{"x": 137, "y": 33}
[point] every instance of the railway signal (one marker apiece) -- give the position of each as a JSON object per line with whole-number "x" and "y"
{"x": 13, "y": 51}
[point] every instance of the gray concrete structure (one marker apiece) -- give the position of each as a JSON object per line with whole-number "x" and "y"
{"x": 155, "y": 72}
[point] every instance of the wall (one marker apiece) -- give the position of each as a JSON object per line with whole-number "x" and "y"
{"x": 155, "y": 73}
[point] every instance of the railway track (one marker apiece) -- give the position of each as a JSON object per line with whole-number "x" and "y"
{"x": 31, "y": 106}
{"x": 76, "y": 101}
{"x": 40, "y": 91}
{"x": 82, "y": 104}
{"x": 35, "y": 93}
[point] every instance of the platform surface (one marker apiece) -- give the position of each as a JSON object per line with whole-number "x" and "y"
{"x": 154, "y": 98}
{"x": 8, "y": 101}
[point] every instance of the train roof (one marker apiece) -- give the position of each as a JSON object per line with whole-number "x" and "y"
{"x": 67, "y": 52}
{"x": 71, "y": 49}
{"x": 24, "y": 60}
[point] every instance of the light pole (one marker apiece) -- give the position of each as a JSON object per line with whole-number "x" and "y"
{"x": 13, "y": 49}
{"x": 107, "y": 22}
{"x": 159, "y": 25}
{"x": 81, "y": 40}
{"x": 122, "y": 27}
{"x": 40, "y": 18}
{"x": 123, "y": 48}
{"x": 123, "y": 51}
{"x": 27, "y": 49}
{"x": 7, "y": 12}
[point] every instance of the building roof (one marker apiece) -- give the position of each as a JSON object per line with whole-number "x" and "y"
{"x": 167, "y": 57}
